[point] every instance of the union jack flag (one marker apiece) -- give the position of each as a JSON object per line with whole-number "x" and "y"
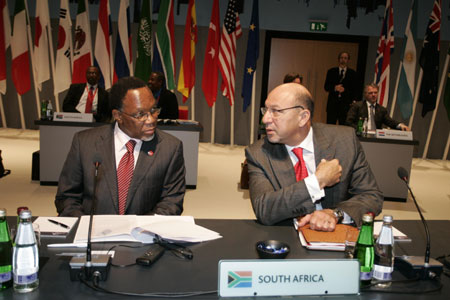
{"x": 383, "y": 58}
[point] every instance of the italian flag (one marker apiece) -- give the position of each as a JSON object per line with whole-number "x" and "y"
{"x": 82, "y": 47}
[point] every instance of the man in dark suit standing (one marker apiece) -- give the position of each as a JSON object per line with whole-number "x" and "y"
{"x": 379, "y": 114}
{"x": 317, "y": 172}
{"x": 89, "y": 97}
{"x": 165, "y": 99}
{"x": 142, "y": 168}
{"x": 341, "y": 84}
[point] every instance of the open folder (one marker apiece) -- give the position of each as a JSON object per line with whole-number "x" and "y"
{"x": 132, "y": 228}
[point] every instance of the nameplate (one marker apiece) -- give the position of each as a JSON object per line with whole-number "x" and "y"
{"x": 289, "y": 277}
{"x": 73, "y": 117}
{"x": 394, "y": 134}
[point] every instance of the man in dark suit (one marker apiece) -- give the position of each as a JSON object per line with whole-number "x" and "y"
{"x": 89, "y": 97}
{"x": 165, "y": 99}
{"x": 146, "y": 179}
{"x": 329, "y": 182}
{"x": 381, "y": 117}
{"x": 341, "y": 84}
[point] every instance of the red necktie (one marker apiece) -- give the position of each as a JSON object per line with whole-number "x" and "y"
{"x": 90, "y": 100}
{"x": 124, "y": 175}
{"x": 300, "y": 168}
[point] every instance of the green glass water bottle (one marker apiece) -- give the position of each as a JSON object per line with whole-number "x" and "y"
{"x": 364, "y": 250}
{"x": 359, "y": 129}
{"x": 5, "y": 253}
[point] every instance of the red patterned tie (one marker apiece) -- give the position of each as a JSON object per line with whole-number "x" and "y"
{"x": 124, "y": 175}
{"x": 90, "y": 100}
{"x": 300, "y": 168}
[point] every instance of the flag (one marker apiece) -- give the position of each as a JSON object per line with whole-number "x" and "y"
{"x": 82, "y": 47}
{"x": 384, "y": 51}
{"x": 405, "y": 92}
{"x": 19, "y": 48}
{"x": 210, "y": 65}
{"x": 41, "y": 62}
{"x": 165, "y": 42}
{"x": 103, "y": 45}
{"x": 251, "y": 56}
{"x": 122, "y": 60}
{"x": 63, "y": 75}
{"x": 227, "y": 53}
{"x": 186, "y": 79}
{"x": 447, "y": 89}
{"x": 156, "y": 61}
{"x": 429, "y": 60}
{"x": 5, "y": 40}
{"x": 144, "y": 43}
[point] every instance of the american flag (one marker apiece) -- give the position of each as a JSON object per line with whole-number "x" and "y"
{"x": 227, "y": 53}
{"x": 384, "y": 51}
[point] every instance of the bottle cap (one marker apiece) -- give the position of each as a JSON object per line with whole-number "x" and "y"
{"x": 367, "y": 218}
{"x": 2, "y": 212}
{"x": 25, "y": 214}
{"x": 387, "y": 218}
{"x": 20, "y": 208}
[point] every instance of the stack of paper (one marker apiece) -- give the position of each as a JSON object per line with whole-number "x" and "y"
{"x": 55, "y": 226}
{"x": 132, "y": 228}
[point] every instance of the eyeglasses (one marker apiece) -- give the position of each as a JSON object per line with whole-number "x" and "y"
{"x": 277, "y": 112}
{"x": 143, "y": 116}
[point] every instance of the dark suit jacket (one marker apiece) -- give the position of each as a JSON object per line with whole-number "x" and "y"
{"x": 73, "y": 98}
{"x": 276, "y": 195}
{"x": 359, "y": 109}
{"x": 169, "y": 105}
{"x": 350, "y": 83}
{"x": 157, "y": 186}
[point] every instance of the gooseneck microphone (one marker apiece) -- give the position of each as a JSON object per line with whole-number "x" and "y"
{"x": 411, "y": 265}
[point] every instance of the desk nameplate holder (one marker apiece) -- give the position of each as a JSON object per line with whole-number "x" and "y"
{"x": 391, "y": 134}
{"x": 289, "y": 277}
{"x": 73, "y": 117}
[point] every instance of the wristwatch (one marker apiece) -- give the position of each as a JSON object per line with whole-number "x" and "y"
{"x": 339, "y": 214}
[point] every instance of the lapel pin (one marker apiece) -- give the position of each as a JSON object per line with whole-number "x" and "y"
{"x": 150, "y": 153}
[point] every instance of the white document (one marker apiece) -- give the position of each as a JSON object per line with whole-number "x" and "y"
{"x": 132, "y": 228}
{"x": 53, "y": 229}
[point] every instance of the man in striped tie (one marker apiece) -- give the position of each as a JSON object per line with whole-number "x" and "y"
{"x": 140, "y": 168}
{"x": 314, "y": 172}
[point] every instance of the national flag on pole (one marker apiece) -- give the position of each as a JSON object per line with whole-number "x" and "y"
{"x": 251, "y": 56}
{"x": 384, "y": 51}
{"x": 405, "y": 93}
{"x": 103, "y": 58}
{"x": 227, "y": 54}
{"x": 210, "y": 65}
{"x": 19, "y": 48}
{"x": 82, "y": 48}
{"x": 165, "y": 41}
{"x": 447, "y": 88}
{"x": 5, "y": 40}
{"x": 42, "y": 62}
{"x": 63, "y": 75}
{"x": 429, "y": 60}
{"x": 186, "y": 79}
{"x": 144, "y": 43}
{"x": 122, "y": 61}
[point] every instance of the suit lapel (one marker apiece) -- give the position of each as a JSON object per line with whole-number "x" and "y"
{"x": 322, "y": 146}
{"x": 105, "y": 146}
{"x": 280, "y": 163}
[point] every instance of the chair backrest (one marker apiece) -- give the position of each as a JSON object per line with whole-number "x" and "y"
{"x": 183, "y": 112}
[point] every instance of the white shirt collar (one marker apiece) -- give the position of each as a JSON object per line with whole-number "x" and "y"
{"x": 123, "y": 138}
{"x": 307, "y": 143}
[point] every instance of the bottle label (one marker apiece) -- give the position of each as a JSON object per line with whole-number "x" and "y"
{"x": 4, "y": 277}
{"x": 25, "y": 279}
{"x": 382, "y": 272}
{"x": 365, "y": 275}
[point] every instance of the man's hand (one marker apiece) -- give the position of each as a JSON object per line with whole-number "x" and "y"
{"x": 403, "y": 127}
{"x": 320, "y": 220}
{"x": 339, "y": 88}
{"x": 328, "y": 173}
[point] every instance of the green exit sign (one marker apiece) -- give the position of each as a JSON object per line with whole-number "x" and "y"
{"x": 318, "y": 25}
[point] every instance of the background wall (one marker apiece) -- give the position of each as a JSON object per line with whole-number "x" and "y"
{"x": 279, "y": 15}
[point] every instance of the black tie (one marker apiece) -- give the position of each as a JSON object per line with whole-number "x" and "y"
{"x": 341, "y": 76}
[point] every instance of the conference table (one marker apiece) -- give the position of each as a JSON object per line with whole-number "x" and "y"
{"x": 171, "y": 274}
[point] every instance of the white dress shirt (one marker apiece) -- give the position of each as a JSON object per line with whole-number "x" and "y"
{"x": 81, "y": 107}
{"x": 120, "y": 140}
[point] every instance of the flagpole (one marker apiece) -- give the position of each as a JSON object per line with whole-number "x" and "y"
{"x": 213, "y": 121}
{"x": 394, "y": 97}
{"x": 444, "y": 157}
{"x": 52, "y": 61}
{"x": 252, "y": 108}
{"x": 86, "y": 4}
{"x": 439, "y": 94}
{"x": 232, "y": 125}
{"x": 416, "y": 97}
{"x": 36, "y": 92}
{"x": 193, "y": 103}
{"x": 2, "y": 111}
{"x": 22, "y": 118}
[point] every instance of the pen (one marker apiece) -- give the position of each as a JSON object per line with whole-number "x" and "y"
{"x": 58, "y": 223}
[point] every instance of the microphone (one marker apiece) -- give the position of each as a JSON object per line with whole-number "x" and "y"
{"x": 97, "y": 265}
{"x": 421, "y": 266}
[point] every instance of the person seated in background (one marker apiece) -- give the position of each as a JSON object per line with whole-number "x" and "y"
{"x": 376, "y": 115}
{"x": 141, "y": 168}
{"x": 293, "y": 77}
{"x": 316, "y": 172}
{"x": 88, "y": 97}
{"x": 165, "y": 99}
